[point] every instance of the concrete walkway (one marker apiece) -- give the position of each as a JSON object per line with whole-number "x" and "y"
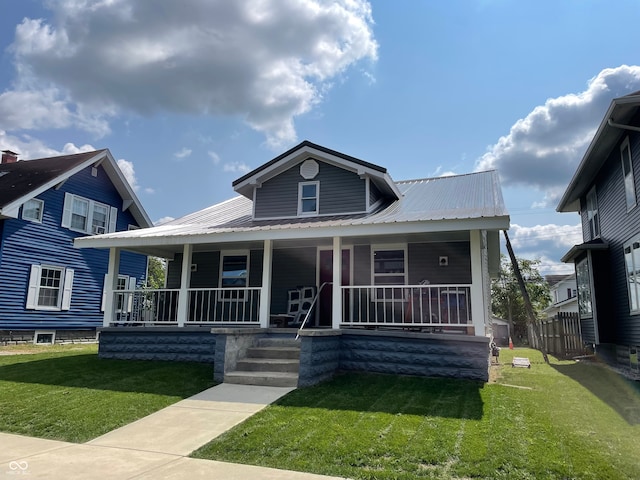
{"x": 154, "y": 447}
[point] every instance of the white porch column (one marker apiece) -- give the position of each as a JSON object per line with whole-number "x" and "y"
{"x": 185, "y": 282}
{"x": 111, "y": 284}
{"x": 336, "y": 309}
{"x": 478, "y": 307}
{"x": 265, "y": 291}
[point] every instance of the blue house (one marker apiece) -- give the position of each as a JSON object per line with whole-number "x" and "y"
{"x": 604, "y": 192}
{"x": 50, "y": 290}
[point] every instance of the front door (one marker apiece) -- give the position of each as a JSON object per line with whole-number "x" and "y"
{"x": 326, "y": 276}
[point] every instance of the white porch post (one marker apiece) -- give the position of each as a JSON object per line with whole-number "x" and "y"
{"x": 336, "y": 309}
{"x": 111, "y": 284}
{"x": 478, "y": 308}
{"x": 185, "y": 282}
{"x": 265, "y": 291}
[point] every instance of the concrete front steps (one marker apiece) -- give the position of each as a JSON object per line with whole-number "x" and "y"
{"x": 274, "y": 362}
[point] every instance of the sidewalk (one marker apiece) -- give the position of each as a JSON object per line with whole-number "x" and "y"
{"x": 154, "y": 447}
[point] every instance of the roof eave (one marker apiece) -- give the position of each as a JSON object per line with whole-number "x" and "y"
{"x": 596, "y": 154}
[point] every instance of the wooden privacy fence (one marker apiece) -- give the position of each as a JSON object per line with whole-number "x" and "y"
{"x": 561, "y": 335}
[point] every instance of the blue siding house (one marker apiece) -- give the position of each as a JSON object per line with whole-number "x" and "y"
{"x": 604, "y": 192}
{"x": 49, "y": 288}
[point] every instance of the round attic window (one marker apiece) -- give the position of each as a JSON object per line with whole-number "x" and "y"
{"x": 309, "y": 169}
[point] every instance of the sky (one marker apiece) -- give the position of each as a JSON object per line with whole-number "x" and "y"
{"x": 190, "y": 95}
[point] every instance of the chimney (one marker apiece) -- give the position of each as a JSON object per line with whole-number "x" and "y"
{"x": 9, "y": 157}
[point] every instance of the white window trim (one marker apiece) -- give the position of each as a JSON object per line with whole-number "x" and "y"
{"x": 112, "y": 215}
{"x": 627, "y": 145}
{"x": 636, "y": 273}
{"x": 593, "y": 216}
{"x": 41, "y": 209}
{"x": 65, "y": 289}
{"x": 390, "y": 247}
{"x": 578, "y": 265}
{"x": 234, "y": 253}
{"x": 301, "y": 198}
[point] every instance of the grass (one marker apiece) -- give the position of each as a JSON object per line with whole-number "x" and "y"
{"x": 67, "y": 393}
{"x": 567, "y": 420}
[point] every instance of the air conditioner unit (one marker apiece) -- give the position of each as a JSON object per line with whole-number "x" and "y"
{"x": 97, "y": 229}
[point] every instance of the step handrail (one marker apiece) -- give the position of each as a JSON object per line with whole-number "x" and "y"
{"x": 313, "y": 304}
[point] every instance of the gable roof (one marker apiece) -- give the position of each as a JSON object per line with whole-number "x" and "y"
{"x": 246, "y": 184}
{"x": 611, "y": 129}
{"x": 26, "y": 179}
{"x": 425, "y": 205}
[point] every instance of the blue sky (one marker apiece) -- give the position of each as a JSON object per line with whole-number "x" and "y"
{"x": 190, "y": 95}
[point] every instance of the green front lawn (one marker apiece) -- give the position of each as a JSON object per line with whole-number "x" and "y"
{"x": 67, "y": 393}
{"x": 561, "y": 421}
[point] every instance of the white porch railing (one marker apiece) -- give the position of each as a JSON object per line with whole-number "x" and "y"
{"x": 229, "y": 306}
{"x": 436, "y": 306}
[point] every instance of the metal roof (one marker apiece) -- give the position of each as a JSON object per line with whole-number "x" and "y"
{"x": 475, "y": 196}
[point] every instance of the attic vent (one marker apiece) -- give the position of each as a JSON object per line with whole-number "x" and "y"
{"x": 309, "y": 169}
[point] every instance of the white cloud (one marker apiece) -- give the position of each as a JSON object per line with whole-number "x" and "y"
{"x": 183, "y": 153}
{"x": 543, "y": 149}
{"x": 236, "y": 167}
{"x": 129, "y": 173}
{"x": 163, "y": 220}
{"x": 149, "y": 190}
{"x": 215, "y": 158}
{"x": 547, "y": 243}
{"x": 265, "y": 61}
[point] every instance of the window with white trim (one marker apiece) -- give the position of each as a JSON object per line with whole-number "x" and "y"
{"x": 389, "y": 267}
{"x": 632, "y": 263}
{"x": 308, "y": 198}
{"x": 32, "y": 210}
{"x": 627, "y": 172}
{"x": 234, "y": 274}
{"x": 583, "y": 279}
{"x": 592, "y": 214}
{"x": 84, "y": 215}
{"x": 49, "y": 288}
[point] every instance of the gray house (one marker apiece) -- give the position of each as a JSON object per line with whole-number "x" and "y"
{"x": 330, "y": 245}
{"x": 603, "y": 191}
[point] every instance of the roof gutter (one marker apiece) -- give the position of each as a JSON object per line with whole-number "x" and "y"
{"x": 611, "y": 123}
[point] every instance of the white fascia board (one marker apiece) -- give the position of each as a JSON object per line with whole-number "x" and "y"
{"x": 15, "y": 205}
{"x": 371, "y": 230}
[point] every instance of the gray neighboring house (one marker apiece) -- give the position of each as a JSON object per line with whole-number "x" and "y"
{"x": 604, "y": 191}
{"x": 369, "y": 254}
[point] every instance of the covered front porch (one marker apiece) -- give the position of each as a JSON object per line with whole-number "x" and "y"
{"x": 431, "y": 282}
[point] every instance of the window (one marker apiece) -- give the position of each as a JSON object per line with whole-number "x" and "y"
{"x": 584, "y": 289}
{"x": 632, "y": 263}
{"x": 389, "y": 268}
{"x": 234, "y": 274}
{"x": 32, "y": 210}
{"x": 592, "y": 214}
{"x": 308, "y": 194}
{"x": 627, "y": 171}
{"x": 123, "y": 301}
{"x": 49, "y": 288}
{"x": 84, "y": 215}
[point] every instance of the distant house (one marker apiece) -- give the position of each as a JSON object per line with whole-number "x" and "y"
{"x": 334, "y": 237}
{"x": 48, "y": 287}
{"x": 564, "y": 294}
{"x": 604, "y": 191}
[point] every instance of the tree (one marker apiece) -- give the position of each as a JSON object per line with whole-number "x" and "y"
{"x": 156, "y": 272}
{"x": 506, "y": 297}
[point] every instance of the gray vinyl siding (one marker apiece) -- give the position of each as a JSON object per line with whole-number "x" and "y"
{"x": 291, "y": 268}
{"x": 617, "y": 226}
{"x": 341, "y": 191}
{"x": 207, "y": 273}
{"x": 362, "y": 265}
{"x": 424, "y": 264}
{"x": 374, "y": 193}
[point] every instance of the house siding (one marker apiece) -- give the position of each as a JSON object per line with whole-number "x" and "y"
{"x": 207, "y": 273}
{"x": 374, "y": 193}
{"x": 291, "y": 268}
{"x": 424, "y": 263}
{"x": 25, "y": 243}
{"x": 341, "y": 191}
{"x": 615, "y": 323}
